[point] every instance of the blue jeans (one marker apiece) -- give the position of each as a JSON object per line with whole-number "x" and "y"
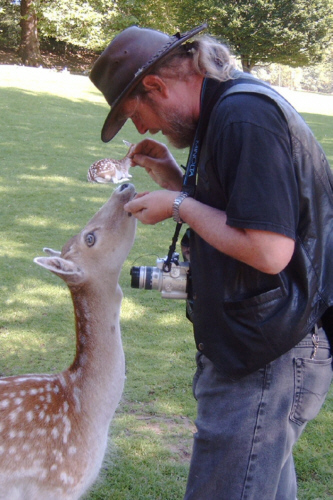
{"x": 246, "y": 429}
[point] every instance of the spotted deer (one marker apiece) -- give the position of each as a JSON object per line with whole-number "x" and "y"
{"x": 109, "y": 170}
{"x": 53, "y": 428}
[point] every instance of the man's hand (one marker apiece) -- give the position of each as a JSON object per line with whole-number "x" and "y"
{"x": 152, "y": 207}
{"x": 159, "y": 163}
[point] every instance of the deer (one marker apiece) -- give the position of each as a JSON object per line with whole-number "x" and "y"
{"x": 109, "y": 170}
{"x": 54, "y": 427}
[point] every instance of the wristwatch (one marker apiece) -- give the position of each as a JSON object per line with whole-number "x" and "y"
{"x": 175, "y": 207}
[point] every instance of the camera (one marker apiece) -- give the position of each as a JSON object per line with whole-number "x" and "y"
{"x": 173, "y": 283}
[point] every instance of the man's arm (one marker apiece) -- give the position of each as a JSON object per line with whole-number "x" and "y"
{"x": 264, "y": 250}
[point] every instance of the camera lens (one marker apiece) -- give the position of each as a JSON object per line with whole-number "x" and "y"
{"x": 135, "y": 280}
{"x": 143, "y": 277}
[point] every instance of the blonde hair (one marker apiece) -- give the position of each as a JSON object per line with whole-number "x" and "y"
{"x": 213, "y": 59}
{"x": 204, "y": 56}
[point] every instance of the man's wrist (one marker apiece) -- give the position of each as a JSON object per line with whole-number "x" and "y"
{"x": 176, "y": 206}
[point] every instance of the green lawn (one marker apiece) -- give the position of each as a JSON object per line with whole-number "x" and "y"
{"x": 50, "y": 134}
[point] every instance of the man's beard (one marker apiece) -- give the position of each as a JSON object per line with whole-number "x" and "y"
{"x": 179, "y": 129}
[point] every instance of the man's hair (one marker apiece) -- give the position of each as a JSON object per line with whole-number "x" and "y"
{"x": 204, "y": 56}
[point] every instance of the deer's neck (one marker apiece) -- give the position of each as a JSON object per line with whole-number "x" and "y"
{"x": 98, "y": 370}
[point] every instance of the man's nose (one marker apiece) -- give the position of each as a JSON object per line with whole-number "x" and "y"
{"x": 139, "y": 125}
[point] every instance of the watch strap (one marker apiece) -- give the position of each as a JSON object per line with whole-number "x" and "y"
{"x": 176, "y": 205}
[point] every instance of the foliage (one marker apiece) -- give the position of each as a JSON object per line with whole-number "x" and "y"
{"x": 82, "y": 23}
{"x": 9, "y": 23}
{"x": 159, "y": 15}
{"x": 50, "y": 134}
{"x": 293, "y": 32}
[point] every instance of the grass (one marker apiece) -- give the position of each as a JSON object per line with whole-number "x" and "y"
{"x": 50, "y": 134}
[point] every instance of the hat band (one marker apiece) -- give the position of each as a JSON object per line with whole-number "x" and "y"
{"x": 177, "y": 36}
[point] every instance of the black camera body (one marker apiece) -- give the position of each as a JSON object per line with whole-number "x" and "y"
{"x": 173, "y": 283}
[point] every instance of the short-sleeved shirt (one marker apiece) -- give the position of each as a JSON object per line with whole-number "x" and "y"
{"x": 250, "y": 164}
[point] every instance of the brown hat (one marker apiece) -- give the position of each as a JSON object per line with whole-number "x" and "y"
{"x": 125, "y": 62}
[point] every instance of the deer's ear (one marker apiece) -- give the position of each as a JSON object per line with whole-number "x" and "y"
{"x": 65, "y": 269}
{"x": 51, "y": 252}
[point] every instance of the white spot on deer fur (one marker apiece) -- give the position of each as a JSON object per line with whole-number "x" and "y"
{"x": 58, "y": 456}
{"x": 65, "y": 478}
{"x": 26, "y": 447}
{"x": 12, "y": 450}
{"x": 76, "y": 396}
{"x": 56, "y": 417}
{"x": 33, "y": 392}
{"x": 56, "y": 389}
{"x": 43, "y": 474}
{"x": 4, "y": 403}
{"x": 1, "y": 427}
{"x": 83, "y": 359}
{"x": 2, "y": 450}
{"x": 66, "y": 406}
{"x": 30, "y": 416}
{"x": 41, "y": 415}
{"x": 13, "y": 416}
{"x": 72, "y": 450}
{"x": 67, "y": 429}
{"x": 54, "y": 467}
{"x": 12, "y": 395}
{"x": 18, "y": 401}
{"x": 12, "y": 434}
{"x": 23, "y": 393}
{"x": 41, "y": 398}
{"x": 55, "y": 433}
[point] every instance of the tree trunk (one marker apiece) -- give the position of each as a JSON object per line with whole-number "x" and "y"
{"x": 29, "y": 47}
{"x": 247, "y": 64}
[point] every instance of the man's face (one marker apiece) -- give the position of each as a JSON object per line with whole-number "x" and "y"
{"x": 167, "y": 117}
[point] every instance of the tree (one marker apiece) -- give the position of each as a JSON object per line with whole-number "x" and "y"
{"x": 293, "y": 32}
{"x": 84, "y": 23}
{"x": 29, "y": 46}
{"x": 159, "y": 15}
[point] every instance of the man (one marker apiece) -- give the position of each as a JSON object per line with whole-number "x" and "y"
{"x": 261, "y": 220}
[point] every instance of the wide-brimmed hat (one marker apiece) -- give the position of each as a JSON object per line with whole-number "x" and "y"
{"x": 125, "y": 62}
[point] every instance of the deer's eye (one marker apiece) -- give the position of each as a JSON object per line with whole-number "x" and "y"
{"x": 90, "y": 239}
